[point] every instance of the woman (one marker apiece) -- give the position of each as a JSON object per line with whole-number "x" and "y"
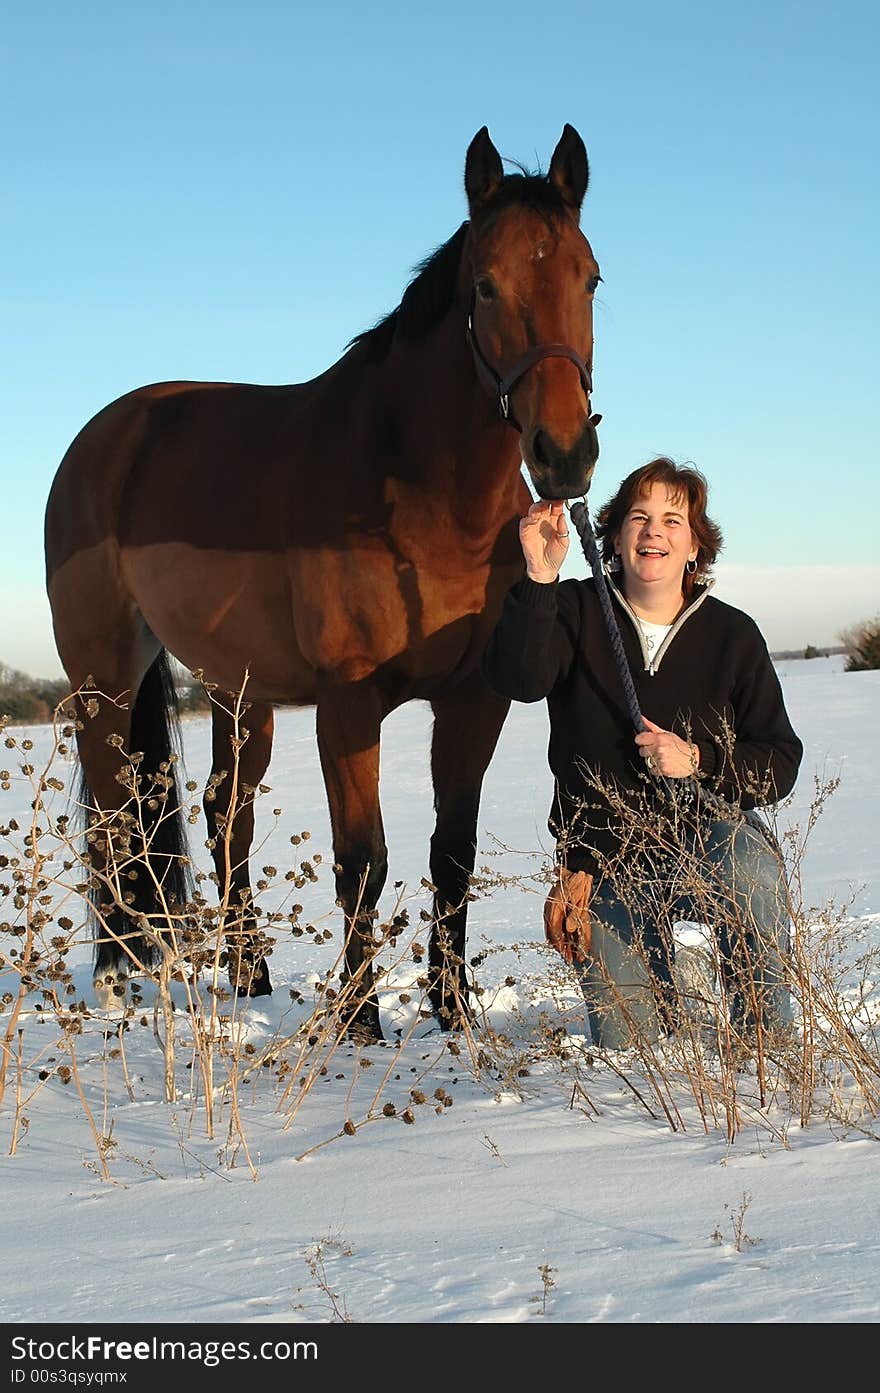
{"x": 656, "y": 826}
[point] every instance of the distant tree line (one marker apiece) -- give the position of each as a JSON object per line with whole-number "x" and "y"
{"x": 862, "y": 644}
{"x": 811, "y": 651}
{"x": 30, "y": 700}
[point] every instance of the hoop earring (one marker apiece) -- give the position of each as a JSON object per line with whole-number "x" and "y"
{"x": 614, "y": 563}
{"x": 691, "y": 566}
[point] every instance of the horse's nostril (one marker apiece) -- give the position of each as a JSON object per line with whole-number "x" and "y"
{"x": 539, "y": 449}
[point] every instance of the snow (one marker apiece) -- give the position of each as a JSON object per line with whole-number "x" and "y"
{"x": 549, "y": 1191}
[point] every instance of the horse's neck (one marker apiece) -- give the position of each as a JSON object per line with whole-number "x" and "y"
{"x": 454, "y": 448}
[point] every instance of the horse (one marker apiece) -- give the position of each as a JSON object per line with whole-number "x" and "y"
{"x": 344, "y": 542}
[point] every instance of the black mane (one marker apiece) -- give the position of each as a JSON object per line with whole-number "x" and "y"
{"x": 432, "y": 288}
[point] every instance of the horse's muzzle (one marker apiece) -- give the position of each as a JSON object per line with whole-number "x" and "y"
{"x": 559, "y": 473}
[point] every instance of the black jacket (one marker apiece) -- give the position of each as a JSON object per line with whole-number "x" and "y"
{"x": 712, "y": 682}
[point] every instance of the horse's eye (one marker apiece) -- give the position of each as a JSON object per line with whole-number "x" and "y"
{"x": 485, "y": 289}
{"x": 593, "y": 285}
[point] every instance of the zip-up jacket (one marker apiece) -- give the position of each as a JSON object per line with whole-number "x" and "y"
{"x": 711, "y": 681}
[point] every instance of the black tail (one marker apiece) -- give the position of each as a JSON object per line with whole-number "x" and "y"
{"x": 155, "y": 733}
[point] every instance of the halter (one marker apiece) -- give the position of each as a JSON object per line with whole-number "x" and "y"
{"x": 501, "y": 386}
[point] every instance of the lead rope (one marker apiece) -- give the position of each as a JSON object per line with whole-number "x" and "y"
{"x": 581, "y": 519}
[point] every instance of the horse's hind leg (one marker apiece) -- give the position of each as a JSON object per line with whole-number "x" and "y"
{"x": 467, "y": 723}
{"x": 102, "y": 740}
{"x": 110, "y": 660}
{"x": 349, "y": 720}
{"x": 235, "y": 777}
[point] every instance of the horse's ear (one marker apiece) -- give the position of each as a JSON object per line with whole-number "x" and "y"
{"x": 569, "y": 168}
{"x": 483, "y": 170}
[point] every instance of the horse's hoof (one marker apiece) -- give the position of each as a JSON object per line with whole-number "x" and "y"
{"x": 251, "y": 981}
{"x": 364, "y": 1034}
{"x": 450, "y": 1021}
{"x": 363, "y": 1027}
{"x": 259, "y": 986}
{"x": 452, "y": 1012}
{"x": 111, "y": 989}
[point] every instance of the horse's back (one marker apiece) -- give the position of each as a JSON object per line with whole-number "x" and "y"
{"x": 273, "y": 530}
{"x": 145, "y": 448}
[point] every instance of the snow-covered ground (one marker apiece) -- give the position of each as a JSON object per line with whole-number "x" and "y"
{"x": 548, "y": 1190}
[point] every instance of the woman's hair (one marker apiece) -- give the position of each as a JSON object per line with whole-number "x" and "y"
{"x": 682, "y": 482}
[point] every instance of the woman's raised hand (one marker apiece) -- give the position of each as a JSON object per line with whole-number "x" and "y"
{"x": 543, "y": 536}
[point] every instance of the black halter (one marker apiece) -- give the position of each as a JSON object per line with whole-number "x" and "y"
{"x": 501, "y": 385}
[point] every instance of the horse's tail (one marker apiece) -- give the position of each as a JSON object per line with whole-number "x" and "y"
{"x": 160, "y": 838}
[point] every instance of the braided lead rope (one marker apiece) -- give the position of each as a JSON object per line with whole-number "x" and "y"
{"x": 581, "y": 519}
{"x": 674, "y": 787}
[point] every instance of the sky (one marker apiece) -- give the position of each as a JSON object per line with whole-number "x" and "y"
{"x": 230, "y": 192}
{"x": 540, "y": 1162}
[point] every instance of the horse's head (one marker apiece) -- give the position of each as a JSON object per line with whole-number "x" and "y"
{"x": 533, "y": 277}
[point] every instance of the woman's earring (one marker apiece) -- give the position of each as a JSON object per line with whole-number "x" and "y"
{"x": 614, "y": 563}
{"x": 691, "y": 566}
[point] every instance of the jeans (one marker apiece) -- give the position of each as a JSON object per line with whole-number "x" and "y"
{"x": 729, "y": 877}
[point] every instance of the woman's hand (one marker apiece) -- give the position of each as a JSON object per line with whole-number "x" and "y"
{"x": 666, "y": 753}
{"x": 543, "y": 536}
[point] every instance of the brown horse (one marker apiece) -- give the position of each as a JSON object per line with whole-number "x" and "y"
{"x": 346, "y": 542}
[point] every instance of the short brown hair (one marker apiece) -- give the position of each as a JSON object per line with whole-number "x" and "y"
{"x": 681, "y": 480}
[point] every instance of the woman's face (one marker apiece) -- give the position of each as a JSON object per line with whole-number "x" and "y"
{"x": 655, "y": 541}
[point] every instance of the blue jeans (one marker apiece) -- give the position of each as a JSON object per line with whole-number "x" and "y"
{"x": 729, "y": 877}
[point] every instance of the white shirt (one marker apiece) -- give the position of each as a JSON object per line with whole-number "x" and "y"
{"x": 654, "y": 635}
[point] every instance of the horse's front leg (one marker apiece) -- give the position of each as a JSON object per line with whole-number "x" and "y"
{"x": 240, "y": 757}
{"x": 467, "y": 723}
{"x": 349, "y": 720}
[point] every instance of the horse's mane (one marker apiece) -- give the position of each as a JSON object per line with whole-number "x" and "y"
{"x": 431, "y": 290}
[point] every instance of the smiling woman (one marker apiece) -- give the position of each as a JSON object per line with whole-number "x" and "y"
{"x": 717, "y": 723}
{"x": 656, "y": 530}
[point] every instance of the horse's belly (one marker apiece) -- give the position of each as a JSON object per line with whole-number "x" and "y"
{"x": 223, "y": 614}
{"x": 361, "y": 609}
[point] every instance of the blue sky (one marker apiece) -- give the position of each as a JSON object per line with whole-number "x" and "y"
{"x": 230, "y": 191}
